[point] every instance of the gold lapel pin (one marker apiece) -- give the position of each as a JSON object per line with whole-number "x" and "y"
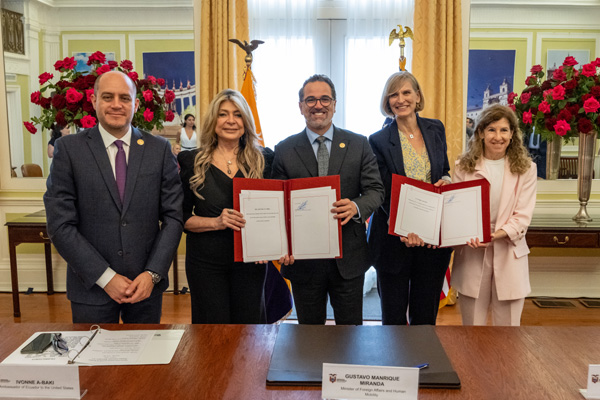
{"x": 342, "y": 145}
{"x": 140, "y": 142}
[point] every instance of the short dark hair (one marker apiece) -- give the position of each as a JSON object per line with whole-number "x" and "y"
{"x": 317, "y": 78}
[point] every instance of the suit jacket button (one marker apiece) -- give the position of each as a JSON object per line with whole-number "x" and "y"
{"x": 123, "y": 223}
{"x": 120, "y": 252}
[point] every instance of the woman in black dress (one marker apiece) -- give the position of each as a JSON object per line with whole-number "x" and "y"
{"x": 222, "y": 291}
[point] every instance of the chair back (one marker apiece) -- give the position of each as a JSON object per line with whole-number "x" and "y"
{"x": 31, "y": 170}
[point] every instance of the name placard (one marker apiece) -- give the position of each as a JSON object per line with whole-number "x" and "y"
{"x": 344, "y": 381}
{"x": 40, "y": 382}
{"x": 593, "y": 386}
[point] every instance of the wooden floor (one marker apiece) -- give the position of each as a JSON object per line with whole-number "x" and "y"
{"x": 39, "y": 307}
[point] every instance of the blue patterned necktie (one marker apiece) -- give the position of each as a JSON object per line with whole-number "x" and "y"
{"x": 322, "y": 156}
{"x": 120, "y": 168}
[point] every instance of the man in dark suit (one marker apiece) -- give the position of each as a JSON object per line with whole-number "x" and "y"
{"x": 349, "y": 155}
{"x": 114, "y": 211}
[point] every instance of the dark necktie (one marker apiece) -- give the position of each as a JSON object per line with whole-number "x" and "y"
{"x": 120, "y": 168}
{"x": 322, "y": 156}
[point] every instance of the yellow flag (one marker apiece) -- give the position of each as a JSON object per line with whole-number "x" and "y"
{"x": 248, "y": 93}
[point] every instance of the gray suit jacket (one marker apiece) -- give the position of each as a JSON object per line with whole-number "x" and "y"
{"x": 90, "y": 227}
{"x": 352, "y": 158}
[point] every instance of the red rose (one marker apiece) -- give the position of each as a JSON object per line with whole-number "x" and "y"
{"x": 73, "y": 96}
{"x": 45, "y": 102}
{"x": 549, "y": 123}
{"x": 88, "y": 94}
{"x": 565, "y": 114}
{"x": 531, "y": 80}
{"x": 59, "y": 102}
{"x": 97, "y": 57}
{"x": 69, "y": 63}
{"x": 591, "y": 105}
{"x": 570, "y": 84}
{"x": 148, "y": 115}
{"x": 113, "y": 64}
{"x": 584, "y": 125}
{"x": 58, "y": 65}
{"x": 73, "y": 107}
{"x": 151, "y": 79}
{"x": 133, "y": 76}
{"x": 169, "y": 116}
{"x": 561, "y": 128}
{"x": 512, "y": 107}
{"x": 63, "y": 84}
{"x": 589, "y": 70}
{"x": 546, "y": 85}
{"x": 559, "y": 75}
{"x": 45, "y": 77}
{"x": 160, "y": 81}
{"x": 511, "y": 97}
{"x": 170, "y": 96}
{"x": 586, "y": 96}
{"x": 527, "y": 117}
{"x": 88, "y": 107}
{"x": 558, "y": 93}
{"x": 536, "y": 68}
{"x": 573, "y": 109}
{"x": 570, "y": 61}
{"x": 544, "y": 107}
{"x": 88, "y": 121}
{"x": 60, "y": 118}
{"x": 595, "y": 91}
{"x": 102, "y": 69}
{"x": 90, "y": 80}
{"x": 525, "y": 98}
{"x": 30, "y": 127}
{"x": 127, "y": 65}
{"x": 148, "y": 95}
{"x": 35, "y": 97}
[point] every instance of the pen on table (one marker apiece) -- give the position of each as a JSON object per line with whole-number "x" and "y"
{"x": 72, "y": 360}
{"x": 422, "y": 366}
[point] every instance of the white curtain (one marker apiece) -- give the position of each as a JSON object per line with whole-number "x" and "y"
{"x": 283, "y": 62}
{"x": 369, "y": 58}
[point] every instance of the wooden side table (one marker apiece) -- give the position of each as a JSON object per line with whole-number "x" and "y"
{"x": 28, "y": 229}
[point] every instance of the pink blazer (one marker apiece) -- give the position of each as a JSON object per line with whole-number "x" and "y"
{"x": 511, "y": 266}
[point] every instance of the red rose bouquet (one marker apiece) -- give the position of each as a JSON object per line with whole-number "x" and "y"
{"x": 68, "y": 102}
{"x": 565, "y": 104}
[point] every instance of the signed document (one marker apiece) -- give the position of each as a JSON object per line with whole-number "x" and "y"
{"x": 287, "y": 217}
{"x": 120, "y": 347}
{"x": 444, "y": 216}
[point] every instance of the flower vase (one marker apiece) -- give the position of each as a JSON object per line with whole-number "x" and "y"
{"x": 553, "y": 151}
{"x": 585, "y": 171}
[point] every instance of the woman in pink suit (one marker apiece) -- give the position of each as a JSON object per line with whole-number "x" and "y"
{"x": 495, "y": 275}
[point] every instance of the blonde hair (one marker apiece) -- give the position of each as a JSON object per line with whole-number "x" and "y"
{"x": 249, "y": 157}
{"x": 393, "y": 84}
{"x": 516, "y": 152}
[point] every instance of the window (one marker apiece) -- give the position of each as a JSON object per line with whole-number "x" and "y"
{"x": 348, "y": 43}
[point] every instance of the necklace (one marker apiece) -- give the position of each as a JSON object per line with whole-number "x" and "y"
{"x": 410, "y": 135}
{"x": 227, "y": 161}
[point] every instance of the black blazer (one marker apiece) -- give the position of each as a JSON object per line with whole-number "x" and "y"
{"x": 387, "y": 249}
{"x": 90, "y": 227}
{"x": 352, "y": 158}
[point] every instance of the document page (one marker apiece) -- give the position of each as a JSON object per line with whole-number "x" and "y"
{"x": 461, "y": 218}
{"x": 314, "y": 228}
{"x": 264, "y": 237}
{"x": 74, "y": 339}
{"x": 419, "y": 212}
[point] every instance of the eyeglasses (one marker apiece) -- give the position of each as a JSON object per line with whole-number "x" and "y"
{"x": 312, "y": 101}
{"x": 59, "y": 344}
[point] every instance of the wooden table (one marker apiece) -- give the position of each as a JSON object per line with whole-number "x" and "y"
{"x": 562, "y": 231}
{"x": 31, "y": 228}
{"x": 231, "y": 362}
{"x": 28, "y": 229}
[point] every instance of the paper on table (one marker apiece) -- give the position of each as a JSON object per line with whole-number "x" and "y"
{"x": 127, "y": 347}
{"x": 314, "y": 228}
{"x": 461, "y": 217}
{"x": 264, "y": 236}
{"x": 419, "y": 212}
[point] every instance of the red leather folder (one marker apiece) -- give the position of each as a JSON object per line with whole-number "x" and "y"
{"x": 286, "y": 186}
{"x": 398, "y": 180}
